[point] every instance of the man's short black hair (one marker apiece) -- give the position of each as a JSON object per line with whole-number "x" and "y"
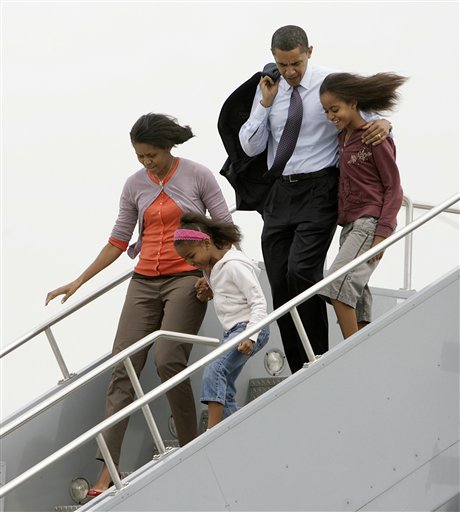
{"x": 288, "y": 38}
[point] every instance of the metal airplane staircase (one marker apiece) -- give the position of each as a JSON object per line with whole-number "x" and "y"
{"x": 372, "y": 425}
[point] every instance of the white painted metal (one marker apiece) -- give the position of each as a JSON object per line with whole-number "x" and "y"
{"x": 222, "y": 349}
{"x": 84, "y": 408}
{"x": 147, "y": 340}
{"x": 408, "y": 244}
{"x": 303, "y": 298}
{"x": 372, "y": 425}
{"x": 65, "y": 313}
{"x": 57, "y": 353}
{"x": 302, "y": 334}
{"x": 127, "y": 274}
{"x": 146, "y": 409}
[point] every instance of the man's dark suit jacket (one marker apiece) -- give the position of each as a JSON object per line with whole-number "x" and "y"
{"x": 245, "y": 174}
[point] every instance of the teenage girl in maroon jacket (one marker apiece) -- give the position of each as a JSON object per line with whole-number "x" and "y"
{"x": 370, "y": 193}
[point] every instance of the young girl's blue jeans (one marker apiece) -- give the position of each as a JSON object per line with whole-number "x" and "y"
{"x": 218, "y": 384}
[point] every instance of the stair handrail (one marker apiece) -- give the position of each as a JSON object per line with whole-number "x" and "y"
{"x": 290, "y": 306}
{"x": 428, "y": 206}
{"x": 66, "y": 312}
{"x": 101, "y": 368}
{"x": 410, "y": 207}
{"x": 407, "y": 202}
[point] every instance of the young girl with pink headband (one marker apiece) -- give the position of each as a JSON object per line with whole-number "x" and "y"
{"x": 238, "y": 300}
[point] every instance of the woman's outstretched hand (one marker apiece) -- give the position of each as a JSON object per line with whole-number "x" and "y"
{"x": 105, "y": 258}
{"x": 67, "y": 290}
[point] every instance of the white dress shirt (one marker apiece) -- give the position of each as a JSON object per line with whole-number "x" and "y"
{"x": 317, "y": 145}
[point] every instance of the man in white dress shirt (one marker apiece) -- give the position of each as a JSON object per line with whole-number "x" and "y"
{"x": 300, "y": 212}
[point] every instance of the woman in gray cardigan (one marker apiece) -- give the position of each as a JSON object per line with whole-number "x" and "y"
{"x": 161, "y": 293}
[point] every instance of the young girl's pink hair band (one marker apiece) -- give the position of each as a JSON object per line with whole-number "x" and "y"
{"x": 190, "y": 234}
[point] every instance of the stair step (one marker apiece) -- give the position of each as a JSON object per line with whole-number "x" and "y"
{"x": 256, "y": 388}
{"x": 259, "y": 386}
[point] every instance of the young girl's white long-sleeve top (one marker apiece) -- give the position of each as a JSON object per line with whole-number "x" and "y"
{"x": 238, "y": 295}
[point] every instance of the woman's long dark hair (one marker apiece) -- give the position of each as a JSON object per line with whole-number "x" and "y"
{"x": 375, "y": 93}
{"x": 159, "y": 130}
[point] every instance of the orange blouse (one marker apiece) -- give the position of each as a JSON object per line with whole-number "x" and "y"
{"x": 161, "y": 219}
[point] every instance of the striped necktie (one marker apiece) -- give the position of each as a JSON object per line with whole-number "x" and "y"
{"x": 290, "y": 134}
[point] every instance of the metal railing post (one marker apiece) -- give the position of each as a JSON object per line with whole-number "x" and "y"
{"x": 114, "y": 360}
{"x": 407, "y": 284}
{"x": 146, "y": 408}
{"x": 302, "y": 334}
{"x": 109, "y": 461}
{"x": 57, "y": 354}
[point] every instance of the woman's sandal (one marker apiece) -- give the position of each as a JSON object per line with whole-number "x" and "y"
{"x": 92, "y": 493}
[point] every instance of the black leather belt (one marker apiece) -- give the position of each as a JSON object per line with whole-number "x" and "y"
{"x": 292, "y": 178}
